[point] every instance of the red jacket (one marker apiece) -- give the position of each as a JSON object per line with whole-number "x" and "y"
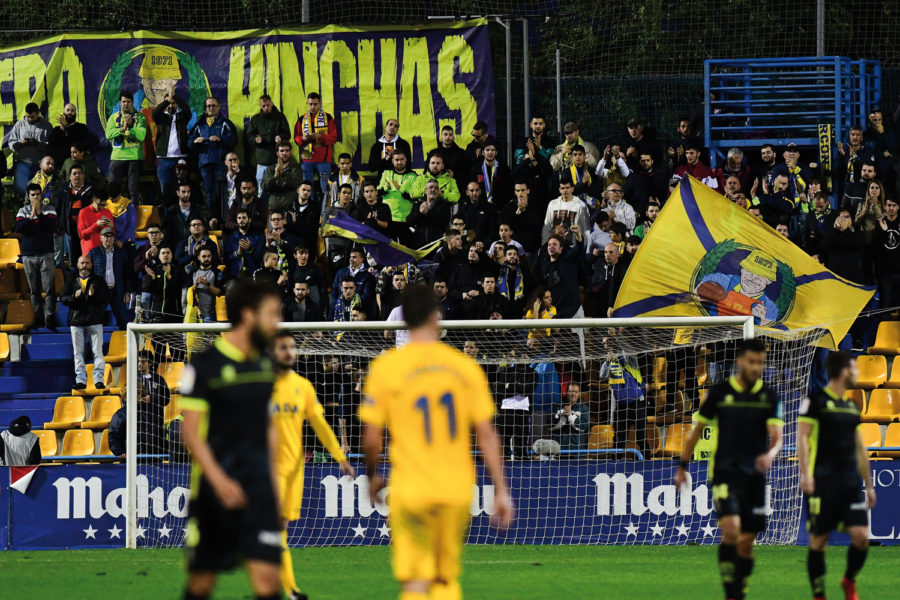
{"x": 697, "y": 171}
{"x": 323, "y": 149}
{"x": 89, "y": 227}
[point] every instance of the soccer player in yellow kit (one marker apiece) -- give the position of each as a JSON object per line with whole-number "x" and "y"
{"x": 293, "y": 400}
{"x": 430, "y": 396}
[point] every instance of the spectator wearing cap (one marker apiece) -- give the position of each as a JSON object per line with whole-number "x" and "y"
{"x": 172, "y": 117}
{"x": 494, "y": 177}
{"x": 86, "y": 294}
{"x": 92, "y": 221}
{"x": 18, "y": 446}
{"x": 111, "y": 263}
{"x": 562, "y": 154}
{"x": 641, "y": 139}
{"x": 694, "y": 167}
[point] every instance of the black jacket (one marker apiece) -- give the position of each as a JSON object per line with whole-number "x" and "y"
{"x": 163, "y": 122}
{"x": 380, "y": 165}
{"x": 61, "y": 140}
{"x": 484, "y": 305}
{"x": 305, "y": 224}
{"x": 89, "y": 308}
{"x": 290, "y": 311}
{"x": 454, "y": 160}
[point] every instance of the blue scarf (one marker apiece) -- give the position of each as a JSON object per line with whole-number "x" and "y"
{"x": 488, "y": 178}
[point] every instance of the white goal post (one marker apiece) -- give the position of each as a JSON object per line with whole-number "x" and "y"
{"x": 572, "y": 483}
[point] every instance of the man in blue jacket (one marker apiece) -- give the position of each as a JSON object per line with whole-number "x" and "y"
{"x": 212, "y": 138}
{"x": 112, "y": 264}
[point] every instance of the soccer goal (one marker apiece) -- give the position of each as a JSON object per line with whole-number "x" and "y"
{"x": 592, "y": 414}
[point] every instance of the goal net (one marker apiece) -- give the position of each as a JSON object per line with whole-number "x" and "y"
{"x": 592, "y": 414}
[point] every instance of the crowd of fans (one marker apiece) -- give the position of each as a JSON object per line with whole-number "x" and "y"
{"x": 550, "y": 236}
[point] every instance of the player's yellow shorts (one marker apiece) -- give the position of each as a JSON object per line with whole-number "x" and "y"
{"x": 427, "y": 541}
{"x": 290, "y": 486}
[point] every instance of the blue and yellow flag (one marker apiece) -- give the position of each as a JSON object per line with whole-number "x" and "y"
{"x": 384, "y": 250}
{"x": 706, "y": 256}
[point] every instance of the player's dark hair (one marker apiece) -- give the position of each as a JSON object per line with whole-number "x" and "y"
{"x": 418, "y": 305}
{"x": 836, "y": 363}
{"x": 754, "y": 345}
{"x": 247, "y": 293}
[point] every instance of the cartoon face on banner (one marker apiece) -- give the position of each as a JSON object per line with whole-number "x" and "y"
{"x": 736, "y": 279}
{"x": 149, "y": 71}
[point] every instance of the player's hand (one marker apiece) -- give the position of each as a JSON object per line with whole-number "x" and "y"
{"x": 807, "y": 484}
{"x": 347, "y": 469}
{"x": 503, "y": 511}
{"x": 870, "y": 498}
{"x": 376, "y": 482}
{"x": 763, "y": 462}
{"x": 680, "y": 477}
{"x": 230, "y": 493}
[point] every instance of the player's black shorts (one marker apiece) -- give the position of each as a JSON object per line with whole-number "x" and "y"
{"x": 220, "y": 540}
{"x": 836, "y": 505}
{"x": 743, "y": 496}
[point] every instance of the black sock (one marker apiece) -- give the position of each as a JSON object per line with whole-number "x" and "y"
{"x": 728, "y": 569}
{"x": 189, "y": 596}
{"x": 856, "y": 557}
{"x": 743, "y": 572}
{"x": 815, "y": 568}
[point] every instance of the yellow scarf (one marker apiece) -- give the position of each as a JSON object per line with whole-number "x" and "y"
{"x": 118, "y": 208}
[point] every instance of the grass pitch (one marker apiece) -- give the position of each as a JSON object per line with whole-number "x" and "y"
{"x": 489, "y": 572}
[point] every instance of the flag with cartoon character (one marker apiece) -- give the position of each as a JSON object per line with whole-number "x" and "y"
{"x": 730, "y": 263}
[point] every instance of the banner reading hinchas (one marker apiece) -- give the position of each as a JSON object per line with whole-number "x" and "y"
{"x": 427, "y": 77}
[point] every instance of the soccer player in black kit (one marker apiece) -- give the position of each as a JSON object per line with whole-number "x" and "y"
{"x": 746, "y": 414}
{"x": 226, "y": 392}
{"x": 833, "y": 465}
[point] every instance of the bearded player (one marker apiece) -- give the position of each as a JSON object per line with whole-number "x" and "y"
{"x": 293, "y": 401}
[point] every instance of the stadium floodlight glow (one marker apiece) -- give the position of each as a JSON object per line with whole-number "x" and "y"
{"x": 677, "y": 357}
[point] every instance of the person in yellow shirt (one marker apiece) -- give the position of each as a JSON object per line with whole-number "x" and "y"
{"x": 293, "y": 401}
{"x": 430, "y": 397}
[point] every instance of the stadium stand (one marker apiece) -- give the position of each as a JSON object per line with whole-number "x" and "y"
{"x": 102, "y": 410}
{"x": 77, "y": 442}
{"x": 69, "y": 412}
{"x": 887, "y": 340}
{"x": 883, "y": 406}
{"x": 872, "y": 371}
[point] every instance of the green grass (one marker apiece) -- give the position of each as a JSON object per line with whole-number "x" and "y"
{"x": 490, "y": 572}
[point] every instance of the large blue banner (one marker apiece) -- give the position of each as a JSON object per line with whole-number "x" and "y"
{"x": 559, "y": 502}
{"x": 427, "y": 76}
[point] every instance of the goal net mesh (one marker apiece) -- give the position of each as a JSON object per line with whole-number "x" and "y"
{"x": 590, "y": 457}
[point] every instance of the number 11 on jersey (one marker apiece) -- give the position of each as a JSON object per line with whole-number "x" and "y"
{"x": 447, "y": 402}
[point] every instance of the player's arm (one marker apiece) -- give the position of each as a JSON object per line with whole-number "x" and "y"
{"x": 486, "y": 439}
{"x": 804, "y": 430}
{"x": 862, "y": 461}
{"x": 229, "y": 491}
{"x": 329, "y": 440}
{"x": 372, "y": 445}
{"x": 775, "y": 427}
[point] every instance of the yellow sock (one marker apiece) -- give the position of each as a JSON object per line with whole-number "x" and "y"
{"x": 413, "y": 596}
{"x": 287, "y": 567}
{"x": 446, "y": 591}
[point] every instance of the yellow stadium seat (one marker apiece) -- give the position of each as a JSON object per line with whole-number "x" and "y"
{"x": 145, "y": 215}
{"x": 102, "y": 410}
{"x": 859, "y": 397}
{"x": 173, "y": 408}
{"x": 4, "y": 347}
{"x": 91, "y": 389}
{"x": 171, "y": 372}
{"x": 675, "y": 437}
{"x": 68, "y": 412}
{"x": 47, "y": 439}
{"x": 653, "y": 440}
{"x": 871, "y": 434}
{"x": 891, "y": 440}
{"x": 221, "y": 313}
{"x": 19, "y": 316}
{"x": 883, "y": 406}
{"x": 9, "y": 253}
{"x": 9, "y": 284}
{"x": 659, "y": 372}
{"x": 77, "y": 442}
{"x": 215, "y": 240}
{"x": 887, "y": 341}
{"x": 116, "y": 354}
{"x": 872, "y": 371}
{"x": 601, "y": 437}
{"x": 104, "y": 450}
{"x": 894, "y": 380}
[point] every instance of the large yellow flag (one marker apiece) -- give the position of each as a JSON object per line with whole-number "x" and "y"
{"x": 706, "y": 256}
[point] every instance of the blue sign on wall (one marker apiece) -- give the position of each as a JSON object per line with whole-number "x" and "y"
{"x": 558, "y": 502}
